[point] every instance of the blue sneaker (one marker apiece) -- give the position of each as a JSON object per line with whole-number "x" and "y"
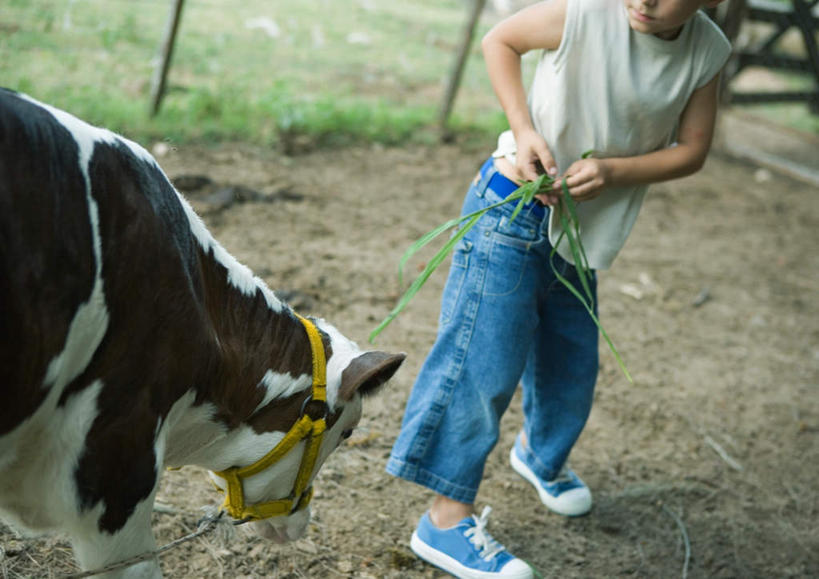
{"x": 566, "y": 494}
{"x": 467, "y": 550}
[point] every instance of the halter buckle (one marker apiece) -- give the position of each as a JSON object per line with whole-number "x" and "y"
{"x": 315, "y": 409}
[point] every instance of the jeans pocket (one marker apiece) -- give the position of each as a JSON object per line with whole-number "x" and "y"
{"x": 508, "y": 256}
{"x": 455, "y": 281}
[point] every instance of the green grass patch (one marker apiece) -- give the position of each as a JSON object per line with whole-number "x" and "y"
{"x": 324, "y": 72}
{"x": 320, "y": 71}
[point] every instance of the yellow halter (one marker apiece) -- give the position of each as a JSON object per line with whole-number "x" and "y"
{"x": 305, "y": 428}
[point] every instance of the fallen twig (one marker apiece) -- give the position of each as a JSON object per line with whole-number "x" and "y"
{"x": 722, "y": 454}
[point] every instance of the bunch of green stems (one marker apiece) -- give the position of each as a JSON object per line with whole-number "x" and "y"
{"x": 570, "y": 231}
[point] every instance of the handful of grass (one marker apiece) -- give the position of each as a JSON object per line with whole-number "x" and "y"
{"x": 570, "y": 226}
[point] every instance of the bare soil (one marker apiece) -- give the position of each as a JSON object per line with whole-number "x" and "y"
{"x": 707, "y": 466}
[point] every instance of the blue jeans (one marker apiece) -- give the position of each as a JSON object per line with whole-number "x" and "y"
{"x": 504, "y": 319}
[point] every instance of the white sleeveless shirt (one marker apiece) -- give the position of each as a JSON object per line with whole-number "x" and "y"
{"x": 620, "y": 93}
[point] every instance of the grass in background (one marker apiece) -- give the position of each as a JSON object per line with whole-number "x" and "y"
{"x": 325, "y": 71}
{"x": 331, "y": 71}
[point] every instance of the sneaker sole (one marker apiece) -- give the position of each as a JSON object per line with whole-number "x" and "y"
{"x": 452, "y": 566}
{"x": 551, "y": 503}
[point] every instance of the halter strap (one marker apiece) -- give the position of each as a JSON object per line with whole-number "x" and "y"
{"x": 305, "y": 428}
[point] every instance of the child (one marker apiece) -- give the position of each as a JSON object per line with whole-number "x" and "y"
{"x": 635, "y": 81}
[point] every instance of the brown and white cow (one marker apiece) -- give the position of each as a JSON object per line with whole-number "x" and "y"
{"x": 131, "y": 341}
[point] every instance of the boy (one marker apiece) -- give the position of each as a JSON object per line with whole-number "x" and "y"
{"x": 634, "y": 80}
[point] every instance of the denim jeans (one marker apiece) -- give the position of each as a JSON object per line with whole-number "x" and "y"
{"x": 504, "y": 319}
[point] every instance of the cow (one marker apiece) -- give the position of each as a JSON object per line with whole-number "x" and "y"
{"x": 132, "y": 341}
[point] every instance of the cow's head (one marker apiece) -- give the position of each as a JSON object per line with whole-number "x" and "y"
{"x": 275, "y": 491}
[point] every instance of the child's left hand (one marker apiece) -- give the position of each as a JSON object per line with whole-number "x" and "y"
{"x": 586, "y": 179}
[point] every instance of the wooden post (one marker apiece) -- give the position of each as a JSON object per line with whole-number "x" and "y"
{"x": 729, "y": 19}
{"x": 458, "y": 68}
{"x": 803, "y": 11}
{"x": 161, "y": 70}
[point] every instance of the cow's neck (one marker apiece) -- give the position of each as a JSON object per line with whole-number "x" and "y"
{"x": 259, "y": 357}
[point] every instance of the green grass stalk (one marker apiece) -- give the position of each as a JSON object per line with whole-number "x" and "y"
{"x": 569, "y": 223}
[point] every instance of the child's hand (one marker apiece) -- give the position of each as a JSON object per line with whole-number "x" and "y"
{"x": 532, "y": 160}
{"x": 586, "y": 179}
{"x": 533, "y": 156}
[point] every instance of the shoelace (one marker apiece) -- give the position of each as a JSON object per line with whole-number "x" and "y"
{"x": 562, "y": 476}
{"x": 480, "y": 537}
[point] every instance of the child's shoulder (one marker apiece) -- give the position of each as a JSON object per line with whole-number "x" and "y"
{"x": 707, "y": 42}
{"x": 705, "y": 27}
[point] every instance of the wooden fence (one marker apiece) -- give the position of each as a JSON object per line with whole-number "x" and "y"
{"x": 800, "y": 15}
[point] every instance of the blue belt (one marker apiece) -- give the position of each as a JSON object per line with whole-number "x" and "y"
{"x": 504, "y": 186}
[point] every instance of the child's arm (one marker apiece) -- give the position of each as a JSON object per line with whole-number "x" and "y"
{"x": 588, "y": 178}
{"x": 539, "y": 26}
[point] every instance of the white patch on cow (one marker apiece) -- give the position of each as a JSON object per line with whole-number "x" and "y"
{"x": 200, "y": 232}
{"x": 242, "y": 446}
{"x": 140, "y": 151}
{"x": 278, "y": 385}
{"x": 75, "y": 418}
{"x": 90, "y": 321}
{"x": 95, "y": 550}
{"x": 88, "y": 135}
{"x": 70, "y": 424}
{"x": 85, "y": 333}
{"x": 239, "y": 275}
{"x": 42, "y": 494}
{"x": 84, "y": 134}
{"x": 344, "y": 350}
{"x": 191, "y": 431}
{"x": 277, "y": 481}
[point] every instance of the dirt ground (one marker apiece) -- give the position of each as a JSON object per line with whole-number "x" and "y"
{"x": 706, "y": 466}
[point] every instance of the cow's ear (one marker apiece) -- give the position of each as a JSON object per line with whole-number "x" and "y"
{"x": 368, "y": 372}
